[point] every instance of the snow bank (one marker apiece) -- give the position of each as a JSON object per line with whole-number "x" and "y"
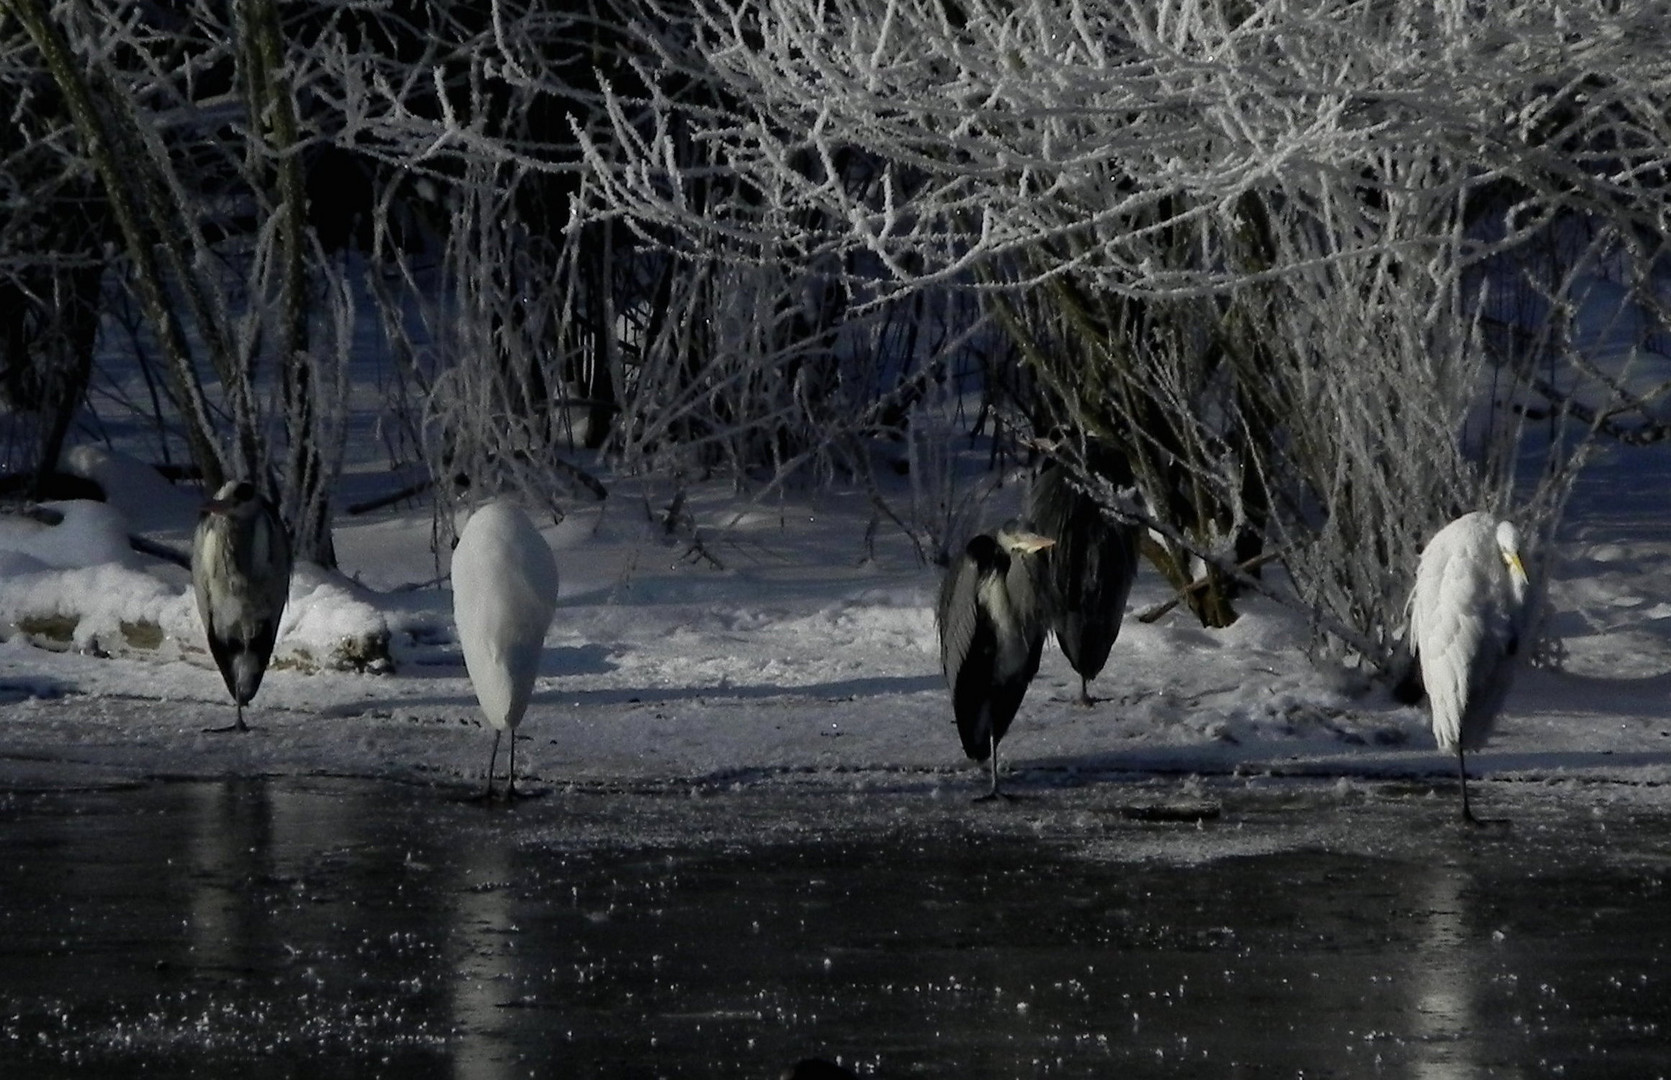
{"x": 796, "y": 660}
{"x": 76, "y": 583}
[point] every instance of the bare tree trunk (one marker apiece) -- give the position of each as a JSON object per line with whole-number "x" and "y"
{"x": 69, "y": 360}
{"x": 306, "y": 479}
{"x": 142, "y": 232}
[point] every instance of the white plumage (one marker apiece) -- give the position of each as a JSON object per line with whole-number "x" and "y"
{"x": 1466, "y": 620}
{"x": 504, "y": 597}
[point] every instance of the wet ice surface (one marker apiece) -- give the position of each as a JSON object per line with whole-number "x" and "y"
{"x": 1112, "y": 927}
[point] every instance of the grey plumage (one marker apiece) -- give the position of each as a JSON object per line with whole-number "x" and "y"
{"x": 240, "y": 570}
{"x": 992, "y": 627}
{"x": 1087, "y": 575}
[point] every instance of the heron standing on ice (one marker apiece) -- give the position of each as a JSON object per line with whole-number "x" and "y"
{"x": 504, "y": 597}
{"x": 1467, "y": 615}
{"x": 240, "y": 570}
{"x": 992, "y": 627}
{"x": 1088, "y": 574}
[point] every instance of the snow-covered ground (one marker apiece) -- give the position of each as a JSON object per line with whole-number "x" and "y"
{"x": 800, "y": 657}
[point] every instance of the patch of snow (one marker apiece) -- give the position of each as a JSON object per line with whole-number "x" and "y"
{"x": 148, "y": 502}
{"x": 806, "y": 652}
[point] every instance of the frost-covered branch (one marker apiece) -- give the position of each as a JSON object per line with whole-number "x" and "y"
{"x": 1260, "y": 248}
{"x": 1099, "y": 128}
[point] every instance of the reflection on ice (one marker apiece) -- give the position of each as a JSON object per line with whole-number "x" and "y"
{"x": 367, "y": 929}
{"x": 230, "y": 841}
{"x": 481, "y": 956}
{"x": 1445, "y": 970}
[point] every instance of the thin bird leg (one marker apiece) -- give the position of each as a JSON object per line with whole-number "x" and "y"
{"x": 492, "y": 759}
{"x": 510, "y": 781}
{"x": 1467, "y": 813}
{"x": 1462, "y": 779}
{"x": 1085, "y": 698}
{"x": 994, "y": 793}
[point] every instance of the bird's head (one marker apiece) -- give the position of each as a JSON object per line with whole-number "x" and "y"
{"x": 235, "y": 498}
{"x": 988, "y": 557}
{"x": 1018, "y": 538}
{"x": 1508, "y": 545}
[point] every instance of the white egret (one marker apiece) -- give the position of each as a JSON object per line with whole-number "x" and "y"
{"x": 240, "y": 570}
{"x": 992, "y": 628}
{"x": 504, "y": 597}
{"x": 1466, "y": 619}
{"x": 1087, "y": 575}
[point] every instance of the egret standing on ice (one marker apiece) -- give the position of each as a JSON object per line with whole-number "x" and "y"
{"x": 992, "y": 628}
{"x": 240, "y": 570}
{"x": 504, "y": 596}
{"x": 1089, "y": 571}
{"x": 1466, "y": 619}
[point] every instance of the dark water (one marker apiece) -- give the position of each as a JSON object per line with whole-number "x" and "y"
{"x": 349, "y": 928}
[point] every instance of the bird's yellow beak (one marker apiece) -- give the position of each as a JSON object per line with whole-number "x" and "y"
{"x": 1033, "y": 542}
{"x": 1515, "y": 567}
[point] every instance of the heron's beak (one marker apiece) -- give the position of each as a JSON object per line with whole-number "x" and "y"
{"x": 1515, "y": 568}
{"x": 1031, "y": 543}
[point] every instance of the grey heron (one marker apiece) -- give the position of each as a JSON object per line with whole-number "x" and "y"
{"x": 1087, "y": 575}
{"x": 504, "y": 597}
{"x": 992, "y": 627}
{"x": 240, "y": 571}
{"x": 1467, "y": 614}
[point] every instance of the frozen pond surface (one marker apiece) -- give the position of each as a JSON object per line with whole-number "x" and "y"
{"x": 366, "y": 928}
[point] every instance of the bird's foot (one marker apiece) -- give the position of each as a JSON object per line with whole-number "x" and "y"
{"x": 1468, "y": 818}
{"x": 995, "y": 796}
{"x": 508, "y": 797}
{"x": 239, "y": 726}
